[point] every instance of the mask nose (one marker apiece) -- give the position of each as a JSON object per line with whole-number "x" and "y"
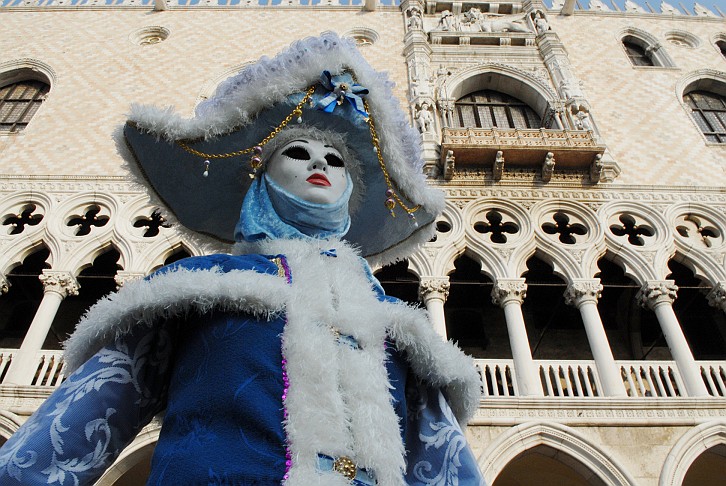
{"x": 318, "y": 162}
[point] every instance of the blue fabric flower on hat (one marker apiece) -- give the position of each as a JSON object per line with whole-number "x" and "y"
{"x": 339, "y": 91}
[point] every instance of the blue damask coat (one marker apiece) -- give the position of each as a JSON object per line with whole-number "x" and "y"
{"x": 268, "y": 366}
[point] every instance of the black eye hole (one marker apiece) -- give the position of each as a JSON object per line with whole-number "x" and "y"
{"x": 334, "y": 161}
{"x": 296, "y": 152}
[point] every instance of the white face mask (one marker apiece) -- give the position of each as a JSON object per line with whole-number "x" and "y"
{"x": 310, "y": 170}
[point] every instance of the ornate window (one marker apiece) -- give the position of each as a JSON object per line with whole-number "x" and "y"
{"x": 644, "y": 50}
{"x": 709, "y": 112}
{"x": 487, "y": 109}
{"x": 18, "y": 103}
{"x": 638, "y": 55}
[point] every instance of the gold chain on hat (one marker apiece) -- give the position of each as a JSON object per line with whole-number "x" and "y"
{"x": 255, "y": 160}
{"x": 392, "y": 198}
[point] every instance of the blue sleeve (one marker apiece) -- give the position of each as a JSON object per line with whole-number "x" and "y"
{"x": 97, "y": 411}
{"x": 436, "y": 449}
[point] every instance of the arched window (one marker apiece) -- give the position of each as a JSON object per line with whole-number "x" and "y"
{"x": 487, "y": 109}
{"x": 638, "y": 55}
{"x": 18, "y": 103}
{"x": 721, "y": 44}
{"x": 709, "y": 112}
{"x": 644, "y": 50}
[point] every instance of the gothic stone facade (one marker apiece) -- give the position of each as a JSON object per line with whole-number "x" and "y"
{"x": 581, "y": 257}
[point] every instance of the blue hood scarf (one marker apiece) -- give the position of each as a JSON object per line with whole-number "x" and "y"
{"x": 199, "y": 168}
{"x": 269, "y": 211}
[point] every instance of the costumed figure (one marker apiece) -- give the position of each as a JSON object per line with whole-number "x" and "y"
{"x": 285, "y": 362}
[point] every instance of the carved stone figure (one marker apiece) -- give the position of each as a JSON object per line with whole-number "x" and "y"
{"x": 424, "y": 118}
{"x": 540, "y": 23}
{"x": 498, "y": 170}
{"x": 596, "y": 169}
{"x": 581, "y": 117}
{"x": 447, "y": 21}
{"x": 414, "y": 18}
{"x": 548, "y": 167}
{"x": 449, "y": 165}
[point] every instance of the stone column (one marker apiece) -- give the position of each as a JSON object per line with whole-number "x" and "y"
{"x": 658, "y": 295}
{"x": 717, "y": 296}
{"x": 57, "y": 285}
{"x": 509, "y": 294}
{"x": 584, "y": 295}
{"x": 433, "y": 292}
{"x": 4, "y": 284}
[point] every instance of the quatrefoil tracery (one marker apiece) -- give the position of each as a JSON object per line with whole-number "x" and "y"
{"x": 153, "y": 224}
{"x": 27, "y": 217}
{"x": 88, "y": 220}
{"x": 632, "y": 229}
{"x": 496, "y": 227}
{"x": 699, "y": 230}
{"x": 566, "y": 230}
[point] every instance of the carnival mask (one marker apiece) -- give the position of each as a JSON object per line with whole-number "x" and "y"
{"x": 309, "y": 169}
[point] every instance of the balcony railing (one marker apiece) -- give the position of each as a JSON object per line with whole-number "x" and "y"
{"x": 559, "y": 378}
{"x": 572, "y": 149}
{"x": 49, "y": 367}
{"x": 579, "y": 379}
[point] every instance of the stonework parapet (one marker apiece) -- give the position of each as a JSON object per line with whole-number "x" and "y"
{"x": 59, "y": 282}
{"x": 506, "y": 291}
{"x": 717, "y": 296}
{"x": 580, "y": 292}
{"x": 657, "y": 292}
{"x": 434, "y": 288}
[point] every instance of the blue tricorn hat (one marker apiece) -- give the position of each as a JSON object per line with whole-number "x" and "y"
{"x": 200, "y": 167}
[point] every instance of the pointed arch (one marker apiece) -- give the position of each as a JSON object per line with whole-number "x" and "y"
{"x": 693, "y": 443}
{"x": 556, "y": 436}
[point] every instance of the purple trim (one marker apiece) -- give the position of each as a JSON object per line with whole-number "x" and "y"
{"x": 285, "y": 378}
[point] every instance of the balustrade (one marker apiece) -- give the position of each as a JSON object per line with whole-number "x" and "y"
{"x": 569, "y": 378}
{"x": 560, "y": 378}
{"x": 46, "y": 369}
{"x": 580, "y": 379}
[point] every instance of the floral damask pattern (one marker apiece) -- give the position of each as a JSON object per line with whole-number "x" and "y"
{"x": 435, "y": 440}
{"x": 78, "y": 425}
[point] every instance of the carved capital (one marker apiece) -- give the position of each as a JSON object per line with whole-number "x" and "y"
{"x": 656, "y": 292}
{"x": 4, "y": 284}
{"x": 121, "y": 278}
{"x": 717, "y": 296}
{"x": 434, "y": 287}
{"x": 509, "y": 290}
{"x": 582, "y": 291}
{"x": 60, "y": 282}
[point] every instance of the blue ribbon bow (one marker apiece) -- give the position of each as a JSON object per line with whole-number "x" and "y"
{"x": 339, "y": 91}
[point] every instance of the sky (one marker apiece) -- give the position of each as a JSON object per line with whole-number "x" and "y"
{"x": 655, "y": 4}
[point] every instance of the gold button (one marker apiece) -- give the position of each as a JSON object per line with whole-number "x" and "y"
{"x": 346, "y": 467}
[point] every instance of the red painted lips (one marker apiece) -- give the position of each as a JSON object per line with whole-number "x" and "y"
{"x": 318, "y": 179}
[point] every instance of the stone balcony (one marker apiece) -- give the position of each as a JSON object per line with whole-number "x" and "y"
{"x": 520, "y": 148}
{"x": 571, "y": 379}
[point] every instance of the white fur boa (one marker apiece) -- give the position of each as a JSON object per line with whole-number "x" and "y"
{"x": 338, "y": 401}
